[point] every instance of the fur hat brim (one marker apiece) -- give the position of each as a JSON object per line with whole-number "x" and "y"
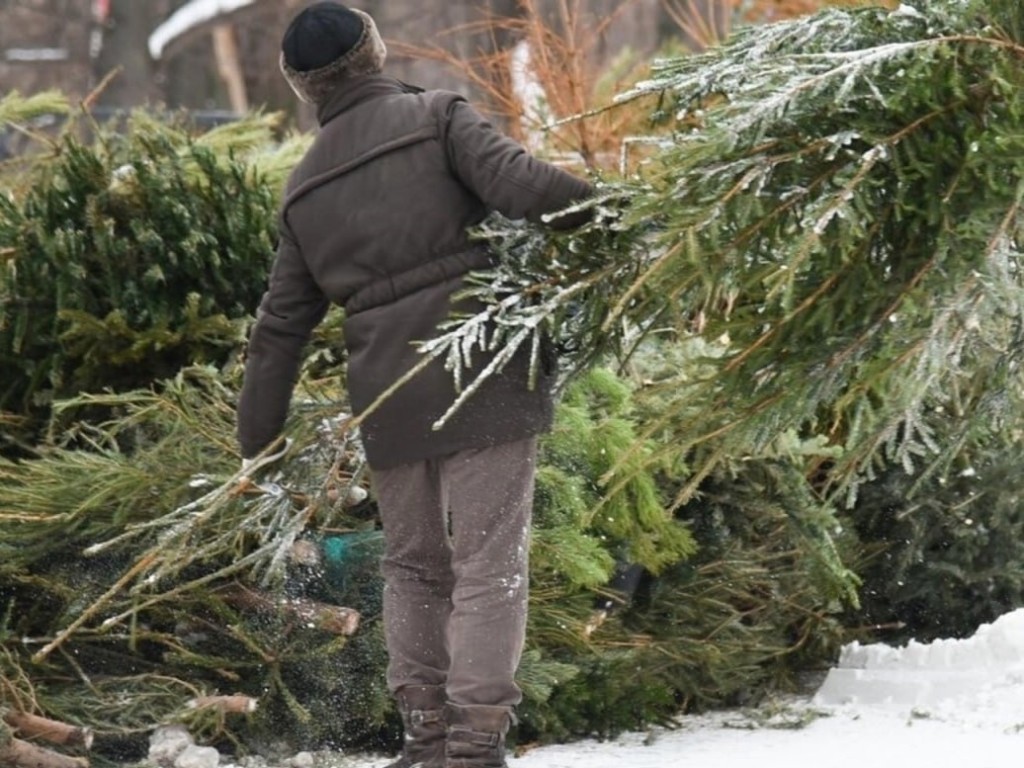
{"x": 366, "y": 57}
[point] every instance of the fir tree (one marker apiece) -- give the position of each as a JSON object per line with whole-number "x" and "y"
{"x": 131, "y": 255}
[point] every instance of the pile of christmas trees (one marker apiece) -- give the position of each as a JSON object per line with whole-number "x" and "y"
{"x": 791, "y": 413}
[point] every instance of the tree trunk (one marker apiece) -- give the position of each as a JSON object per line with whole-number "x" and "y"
{"x": 138, "y": 81}
{"x": 35, "y": 727}
{"x": 229, "y": 65}
{"x": 329, "y": 618}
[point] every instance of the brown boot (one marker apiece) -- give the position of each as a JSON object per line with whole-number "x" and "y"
{"x": 423, "y": 717}
{"x": 476, "y": 736}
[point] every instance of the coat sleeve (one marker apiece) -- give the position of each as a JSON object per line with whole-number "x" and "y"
{"x": 291, "y": 308}
{"x": 504, "y": 175}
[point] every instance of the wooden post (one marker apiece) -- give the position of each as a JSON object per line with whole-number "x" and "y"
{"x": 229, "y": 65}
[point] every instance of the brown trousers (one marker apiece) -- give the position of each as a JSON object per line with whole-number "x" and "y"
{"x": 456, "y": 535}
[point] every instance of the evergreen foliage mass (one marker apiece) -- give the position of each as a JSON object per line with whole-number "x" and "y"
{"x": 834, "y": 208}
{"x": 128, "y": 257}
{"x": 151, "y": 553}
{"x": 943, "y": 553}
{"x": 793, "y": 400}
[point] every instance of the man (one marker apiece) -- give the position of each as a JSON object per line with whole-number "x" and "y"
{"x": 375, "y": 218}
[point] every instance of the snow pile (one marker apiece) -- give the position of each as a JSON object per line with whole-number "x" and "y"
{"x": 979, "y": 672}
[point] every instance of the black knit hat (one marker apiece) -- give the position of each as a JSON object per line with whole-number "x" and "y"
{"x": 326, "y": 43}
{"x": 319, "y": 35}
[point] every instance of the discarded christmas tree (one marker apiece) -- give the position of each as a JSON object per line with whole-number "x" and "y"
{"x": 130, "y": 255}
{"x": 833, "y": 208}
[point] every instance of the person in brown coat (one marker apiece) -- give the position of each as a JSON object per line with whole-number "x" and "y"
{"x": 375, "y": 218}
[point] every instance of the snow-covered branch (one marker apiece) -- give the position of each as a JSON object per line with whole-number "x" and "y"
{"x": 191, "y": 19}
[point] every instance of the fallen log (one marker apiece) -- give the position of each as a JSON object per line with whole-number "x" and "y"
{"x": 35, "y": 727}
{"x": 18, "y": 753}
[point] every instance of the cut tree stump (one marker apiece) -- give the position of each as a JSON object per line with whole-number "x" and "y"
{"x": 329, "y": 618}
{"x": 18, "y": 753}
{"x": 35, "y": 727}
{"x": 236, "y": 704}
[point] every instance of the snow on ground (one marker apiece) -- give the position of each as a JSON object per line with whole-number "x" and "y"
{"x": 947, "y": 704}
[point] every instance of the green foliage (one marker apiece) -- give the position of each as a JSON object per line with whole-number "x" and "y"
{"x": 613, "y": 692}
{"x": 846, "y": 215}
{"x": 944, "y": 552}
{"x": 129, "y": 258}
{"x": 594, "y": 431}
{"x": 152, "y": 530}
{"x": 742, "y": 617}
{"x": 756, "y": 602}
{"x": 102, "y": 479}
{"x": 757, "y": 598}
{"x": 152, "y": 543}
{"x": 15, "y": 108}
{"x": 123, "y": 544}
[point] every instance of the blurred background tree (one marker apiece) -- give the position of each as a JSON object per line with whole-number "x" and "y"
{"x": 226, "y": 64}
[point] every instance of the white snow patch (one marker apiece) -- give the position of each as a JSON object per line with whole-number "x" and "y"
{"x": 937, "y": 675}
{"x": 190, "y": 15}
{"x": 908, "y": 10}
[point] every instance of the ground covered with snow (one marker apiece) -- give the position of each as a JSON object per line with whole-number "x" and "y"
{"x": 947, "y": 704}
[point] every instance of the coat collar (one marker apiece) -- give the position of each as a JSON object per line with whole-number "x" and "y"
{"x": 355, "y": 90}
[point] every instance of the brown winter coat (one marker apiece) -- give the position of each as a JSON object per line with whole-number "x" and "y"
{"x": 375, "y": 219}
